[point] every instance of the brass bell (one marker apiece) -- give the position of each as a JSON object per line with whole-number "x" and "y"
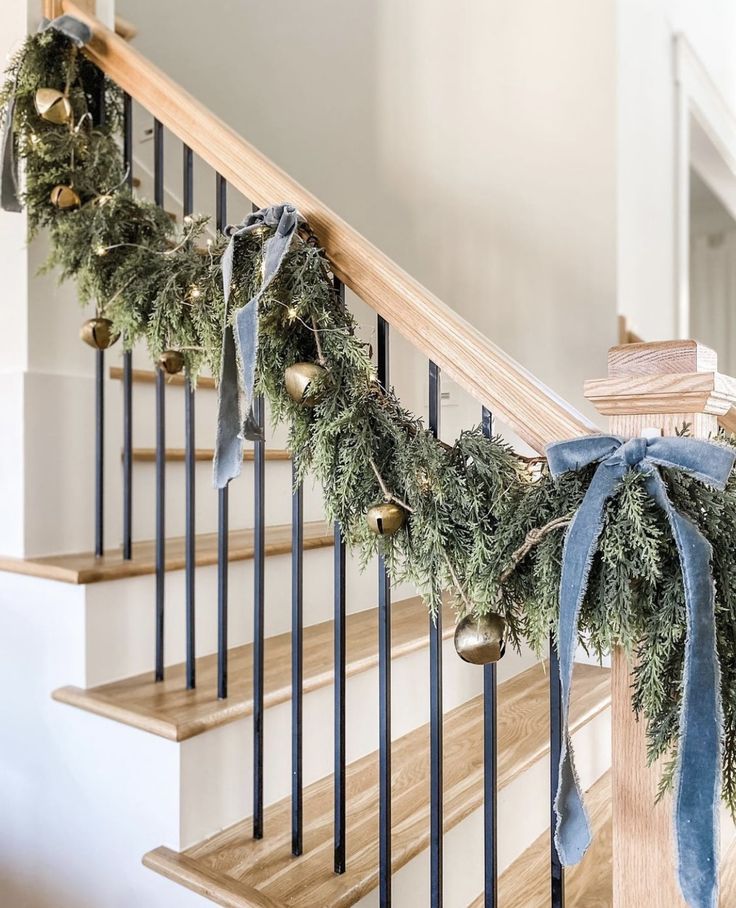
{"x": 385, "y": 519}
{"x": 98, "y": 333}
{"x": 64, "y": 197}
{"x": 299, "y": 377}
{"x": 481, "y": 639}
{"x": 171, "y": 361}
{"x": 53, "y": 105}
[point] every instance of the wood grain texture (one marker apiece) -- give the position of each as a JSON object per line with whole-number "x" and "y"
{"x": 167, "y": 709}
{"x": 148, "y": 377}
{"x": 85, "y": 568}
{"x": 267, "y": 865}
{"x": 701, "y": 392}
{"x": 537, "y": 414}
{"x": 661, "y": 358}
{"x": 148, "y": 455}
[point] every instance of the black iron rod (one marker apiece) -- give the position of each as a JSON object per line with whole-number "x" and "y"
{"x": 128, "y": 363}
{"x": 340, "y": 682}
{"x": 435, "y": 696}
{"x": 158, "y": 193}
{"x": 384, "y": 679}
{"x": 259, "y": 567}
{"x": 160, "y": 517}
{"x": 189, "y": 465}
{"x": 297, "y": 662}
{"x": 99, "y": 453}
{"x": 490, "y": 758}
{"x": 223, "y": 528}
{"x": 557, "y": 873}
{"x": 189, "y": 540}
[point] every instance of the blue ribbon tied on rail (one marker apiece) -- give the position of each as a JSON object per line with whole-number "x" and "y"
{"x": 78, "y": 33}
{"x": 697, "y": 791}
{"x": 236, "y": 420}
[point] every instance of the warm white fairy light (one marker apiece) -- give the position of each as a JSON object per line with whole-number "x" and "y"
{"x": 101, "y": 250}
{"x": 188, "y": 219}
{"x": 195, "y": 292}
{"x": 292, "y": 312}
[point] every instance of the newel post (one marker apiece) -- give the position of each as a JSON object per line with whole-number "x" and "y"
{"x": 654, "y": 386}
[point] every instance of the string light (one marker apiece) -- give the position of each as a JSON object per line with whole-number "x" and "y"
{"x": 101, "y": 250}
{"x": 188, "y": 219}
{"x": 195, "y": 292}
{"x": 292, "y": 313}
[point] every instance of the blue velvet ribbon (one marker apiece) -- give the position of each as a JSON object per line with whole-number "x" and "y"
{"x": 236, "y": 420}
{"x": 698, "y": 780}
{"x": 78, "y": 33}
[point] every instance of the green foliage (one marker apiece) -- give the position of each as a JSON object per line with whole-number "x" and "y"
{"x": 470, "y": 506}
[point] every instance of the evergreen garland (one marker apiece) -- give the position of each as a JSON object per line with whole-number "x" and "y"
{"x": 482, "y": 522}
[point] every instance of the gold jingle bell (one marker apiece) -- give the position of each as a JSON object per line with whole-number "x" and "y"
{"x": 480, "y": 639}
{"x": 53, "y": 105}
{"x": 64, "y": 197}
{"x": 385, "y": 519}
{"x": 171, "y": 361}
{"x": 299, "y": 377}
{"x": 98, "y": 333}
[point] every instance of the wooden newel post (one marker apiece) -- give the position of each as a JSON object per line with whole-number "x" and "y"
{"x": 656, "y": 386}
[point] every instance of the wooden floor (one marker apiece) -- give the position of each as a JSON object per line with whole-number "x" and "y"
{"x": 525, "y": 884}
{"x": 233, "y": 869}
{"x": 148, "y": 455}
{"x": 85, "y": 568}
{"x": 169, "y": 710}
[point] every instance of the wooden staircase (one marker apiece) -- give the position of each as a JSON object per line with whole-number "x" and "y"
{"x": 233, "y": 869}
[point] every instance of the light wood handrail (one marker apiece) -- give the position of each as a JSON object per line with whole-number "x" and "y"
{"x": 510, "y": 391}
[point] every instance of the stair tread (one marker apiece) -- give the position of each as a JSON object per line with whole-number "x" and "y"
{"x": 525, "y": 884}
{"x": 148, "y": 455}
{"x": 148, "y": 376}
{"x": 267, "y": 865}
{"x": 169, "y": 710}
{"x": 83, "y": 567}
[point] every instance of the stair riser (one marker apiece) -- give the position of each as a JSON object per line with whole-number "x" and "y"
{"x": 216, "y": 766}
{"x": 278, "y": 498}
{"x": 120, "y": 614}
{"x": 523, "y": 815}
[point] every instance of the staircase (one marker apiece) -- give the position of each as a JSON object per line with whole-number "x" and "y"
{"x": 290, "y": 752}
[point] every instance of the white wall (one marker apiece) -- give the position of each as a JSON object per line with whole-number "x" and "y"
{"x": 646, "y": 146}
{"x": 474, "y": 142}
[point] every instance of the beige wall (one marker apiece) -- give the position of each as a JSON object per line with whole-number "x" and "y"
{"x": 474, "y": 142}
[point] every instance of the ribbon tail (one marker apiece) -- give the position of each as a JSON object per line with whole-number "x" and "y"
{"x": 9, "y": 195}
{"x": 246, "y": 344}
{"x": 697, "y": 794}
{"x": 572, "y": 832}
{"x": 228, "y": 460}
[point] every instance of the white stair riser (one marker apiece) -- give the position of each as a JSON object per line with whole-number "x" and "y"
{"x": 523, "y": 815}
{"x": 120, "y": 614}
{"x": 277, "y": 505}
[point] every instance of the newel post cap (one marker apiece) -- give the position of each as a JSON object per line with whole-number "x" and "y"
{"x": 664, "y": 377}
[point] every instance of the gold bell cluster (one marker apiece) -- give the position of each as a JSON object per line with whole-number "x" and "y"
{"x": 481, "y": 639}
{"x": 53, "y": 105}
{"x": 300, "y": 379}
{"x": 386, "y": 519}
{"x": 98, "y": 333}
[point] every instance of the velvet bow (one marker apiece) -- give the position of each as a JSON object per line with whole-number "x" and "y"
{"x": 698, "y": 779}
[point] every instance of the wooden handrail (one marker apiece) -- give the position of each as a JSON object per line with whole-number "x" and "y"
{"x": 510, "y": 391}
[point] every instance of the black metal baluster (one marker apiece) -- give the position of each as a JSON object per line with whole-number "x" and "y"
{"x": 297, "y": 657}
{"x": 128, "y": 364}
{"x": 490, "y": 758}
{"x": 340, "y": 689}
{"x": 99, "y": 453}
{"x": 158, "y": 195}
{"x": 435, "y": 696}
{"x": 557, "y": 873}
{"x": 384, "y": 679}
{"x": 259, "y": 567}
{"x": 189, "y": 462}
{"x": 223, "y": 528}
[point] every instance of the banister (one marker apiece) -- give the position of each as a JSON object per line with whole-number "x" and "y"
{"x": 493, "y": 378}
